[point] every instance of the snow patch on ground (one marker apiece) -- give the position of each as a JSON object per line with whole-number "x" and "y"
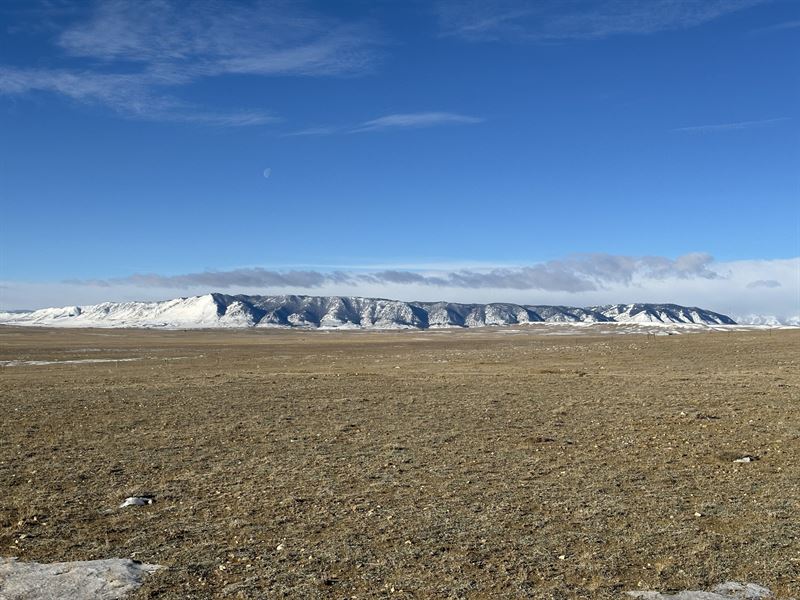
{"x": 107, "y": 579}
{"x": 730, "y": 590}
{"x": 21, "y": 363}
{"x": 38, "y": 363}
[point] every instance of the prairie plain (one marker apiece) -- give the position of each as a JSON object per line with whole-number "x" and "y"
{"x": 446, "y": 464}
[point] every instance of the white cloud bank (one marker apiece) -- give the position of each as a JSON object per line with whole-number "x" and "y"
{"x": 766, "y": 287}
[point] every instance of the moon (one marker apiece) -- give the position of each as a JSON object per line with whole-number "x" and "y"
{"x": 267, "y": 172}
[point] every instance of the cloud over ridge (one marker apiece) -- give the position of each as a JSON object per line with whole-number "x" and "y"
{"x": 742, "y": 287}
{"x": 577, "y": 273}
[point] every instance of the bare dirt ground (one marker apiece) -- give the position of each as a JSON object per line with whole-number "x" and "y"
{"x": 474, "y": 464}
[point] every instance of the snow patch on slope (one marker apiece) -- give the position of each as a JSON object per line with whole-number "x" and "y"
{"x": 109, "y": 579}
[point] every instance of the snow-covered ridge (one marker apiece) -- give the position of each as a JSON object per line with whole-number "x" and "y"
{"x": 222, "y": 310}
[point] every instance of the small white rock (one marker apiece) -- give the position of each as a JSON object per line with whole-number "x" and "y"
{"x": 136, "y": 501}
{"x": 745, "y": 459}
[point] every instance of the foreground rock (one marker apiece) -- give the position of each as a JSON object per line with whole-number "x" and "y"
{"x": 730, "y": 590}
{"x": 108, "y": 579}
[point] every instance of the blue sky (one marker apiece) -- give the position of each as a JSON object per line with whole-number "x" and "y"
{"x": 538, "y": 140}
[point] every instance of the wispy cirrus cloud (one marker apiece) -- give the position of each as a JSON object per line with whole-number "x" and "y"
{"x": 735, "y": 126}
{"x": 555, "y": 20}
{"x": 573, "y": 274}
{"x": 208, "y": 37}
{"x": 135, "y": 57}
{"x": 136, "y": 96}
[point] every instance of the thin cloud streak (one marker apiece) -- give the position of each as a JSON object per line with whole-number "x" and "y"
{"x": 786, "y": 25}
{"x": 312, "y": 131}
{"x": 519, "y": 21}
{"x": 736, "y": 126}
{"x": 392, "y": 122}
{"x": 414, "y": 120}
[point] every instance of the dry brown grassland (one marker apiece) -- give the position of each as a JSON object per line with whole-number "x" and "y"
{"x": 447, "y": 464}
